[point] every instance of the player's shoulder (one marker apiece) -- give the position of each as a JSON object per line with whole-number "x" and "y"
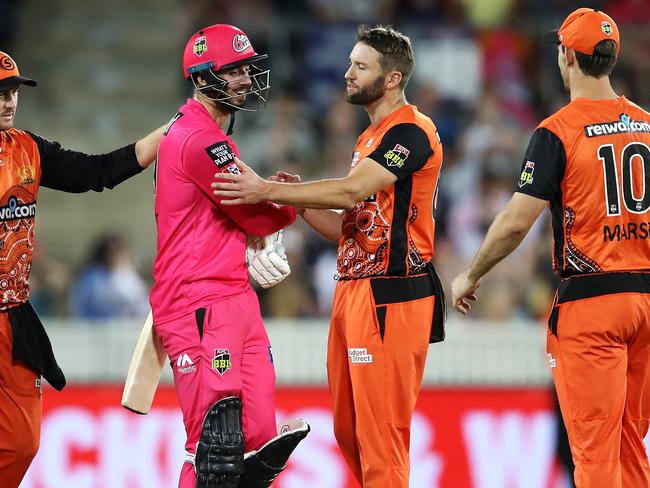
{"x": 636, "y": 110}
{"x": 560, "y": 116}
{"x": 20, "y": 135}
{"x": 410, "y": 121}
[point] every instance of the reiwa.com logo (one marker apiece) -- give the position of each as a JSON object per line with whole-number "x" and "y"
{"x": 14, "y": 210}
{"x": 620, "y": 126}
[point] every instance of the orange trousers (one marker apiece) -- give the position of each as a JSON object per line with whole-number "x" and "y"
{"x": 375, "y": 362}
{"x": 20, "y": 412}
{"x": 600, "y": 360}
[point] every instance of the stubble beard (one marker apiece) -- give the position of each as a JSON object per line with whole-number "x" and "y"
{"x": 369, "y": 94}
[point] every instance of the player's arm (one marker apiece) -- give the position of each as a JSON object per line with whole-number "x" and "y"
{"x": 147, "y": 147}
{"x": 380, "y": 169}
{"x": 365, "y": 179}
{"x": 201, "y": 157}
{"x": 504, "y": 235}
{"x": 540, "y": 181}
{"x": 77, "y": 172}
{"x": 327, "y": 223}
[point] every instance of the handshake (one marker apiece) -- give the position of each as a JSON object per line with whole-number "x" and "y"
{"x": 267, "y": 260}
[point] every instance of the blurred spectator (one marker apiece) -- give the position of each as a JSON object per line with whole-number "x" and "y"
{"x": 49, "y": 283}
{"x": 7, "y": 24}
{"x": 109, "y": 285}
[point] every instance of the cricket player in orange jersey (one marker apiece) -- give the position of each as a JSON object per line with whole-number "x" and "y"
{"x": 27, "y": 163}
{"x": 590, "y": 162}
{"x": 388, "y": 303}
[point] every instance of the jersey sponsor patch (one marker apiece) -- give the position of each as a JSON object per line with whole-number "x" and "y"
{"x": 184, "y": 364}
{"x": 359, "y": 355}
{"x": 221, "y": 154}
{"x": 15, "y": 210}
{"x": 526, "y": 177}
{"x": 221, "y": 361}
{"x": 622, "y": 125}
{"x": 397, "y": 156}
{"x": 240, "y": 42}
{"x": 355, "y": 158}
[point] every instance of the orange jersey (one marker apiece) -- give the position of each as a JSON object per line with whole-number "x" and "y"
{"x": 591, "y": 161}
{"x": 20, "y": 173}
{"x": 391, "y": 232}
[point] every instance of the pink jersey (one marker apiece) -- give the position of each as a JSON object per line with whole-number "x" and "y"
{"x": 201, "y": 243}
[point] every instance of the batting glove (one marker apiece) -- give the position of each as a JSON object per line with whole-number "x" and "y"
{"x": 268, "y": 266}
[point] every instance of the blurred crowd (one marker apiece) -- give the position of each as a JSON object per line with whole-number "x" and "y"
{"x": 483, "y": 74}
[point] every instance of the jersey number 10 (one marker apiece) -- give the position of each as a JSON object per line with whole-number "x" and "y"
{"x": 612, "y": 195}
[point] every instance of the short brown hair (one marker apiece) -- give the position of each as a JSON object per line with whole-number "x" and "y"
{"x": 395, "y": 49}
{"x": 601, "y": 62}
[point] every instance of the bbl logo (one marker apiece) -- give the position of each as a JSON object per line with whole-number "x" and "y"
{"x": 527, "y": 174}
{"x": 200, "y": 46}
{"x": 606, "y": 27}
{"x": 221, "y": 361}
{"x": 397, "y": 156}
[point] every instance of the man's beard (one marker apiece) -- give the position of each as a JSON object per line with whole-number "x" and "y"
{"x": 367, "y": 95}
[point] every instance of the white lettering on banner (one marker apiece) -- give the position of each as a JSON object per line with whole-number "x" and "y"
{"x": 510, "y": 449}
{"x": 127, "y": 447}
{"x": 426, "y": 464}
{"x": 134, "y": 449}
{"x": 67, "y": 429}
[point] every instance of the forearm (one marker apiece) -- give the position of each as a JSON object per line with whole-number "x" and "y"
{"x": 336, "y": 193}
{"x": 326, "y": 222}
{"x": 261, "y": 219}
{"x": 146, "y": 148}
{"x": 502, "y": 238}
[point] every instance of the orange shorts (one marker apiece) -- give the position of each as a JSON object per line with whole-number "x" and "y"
{"x": 20, "y": 412}
{"x": 376, "y": 353}
{"x": 600, "y": 360}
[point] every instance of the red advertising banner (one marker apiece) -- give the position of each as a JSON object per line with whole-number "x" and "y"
{"x": 498, "y": 438}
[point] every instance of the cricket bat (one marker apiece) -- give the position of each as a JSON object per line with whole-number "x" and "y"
{"x": 145, "y": 369}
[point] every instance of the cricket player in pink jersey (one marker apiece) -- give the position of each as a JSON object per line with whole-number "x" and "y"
{"x": 204, "y": 310}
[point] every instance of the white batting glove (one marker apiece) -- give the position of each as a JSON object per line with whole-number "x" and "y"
{"x": 268, "y": 266}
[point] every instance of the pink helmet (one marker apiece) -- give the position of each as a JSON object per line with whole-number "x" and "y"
{"x": 222, "y": 47}
{"x": 218, "y": 47}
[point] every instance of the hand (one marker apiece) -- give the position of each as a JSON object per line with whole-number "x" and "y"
{"x": 462, "y": 292}
{"x": 283, "y": 177}
{"x": 268, "y": 266}
{"x": 241, "y": 187}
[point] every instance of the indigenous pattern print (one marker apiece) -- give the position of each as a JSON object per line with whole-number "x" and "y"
{"x": 366, "y": 232}
{"x": 391, "y": 232}
{"x": 576, "y": 261}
